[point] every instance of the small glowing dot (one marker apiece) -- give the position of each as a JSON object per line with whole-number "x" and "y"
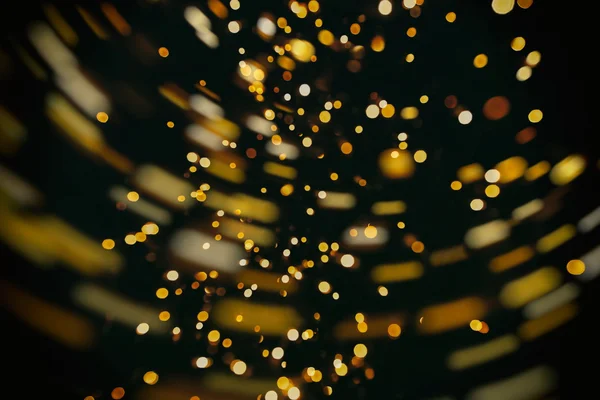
{"x": 360, "y": 350}
{"x": 142, "y": 328}
{"x": 214, "y": 336}
{"x": 324, "y": 287}
{"x": 117, "y": 393}
{"x": 293, "y": 334}
{"x": 385, "y": 7}
{"x": 420, "y": 156}
{"x": 451, "y": 17}
{"x": 476, "y": 325}
{"x": 163, "y": 52}
{"x": 172, "y": 275}
{"x": 456, "y": 185}
{"x": 533, "y": 58}
{"x": 409, "y": 3}
{"x": 277, "y": 353}
{"x": 325, "y": 116}
{"x": 130, "y": 239}
{"x": 492, "y": 176}
{"x": 535, "y": 116}
{"x": 518, "y": 43}
{"x": 477, "y": 205}
{"x": 293, "y": 393}
{"x": 271, "y": 395}
{"x": 202, "y": 316}
{"x": 102, "y": 117}
{"x": 150, "y": 377}
{"x": 304, "y": 89}
{"x": 524, "y": 73}
{"x": 370, "y": 232}
{"x": 233, "y": 26}
{"x": 417, "y": 247}
{"x": 465, "y": 117}
{"x": 202, "y": 362}
{"x": 480, "y": 61}
{"x": 347, "y": 260}
{"x": 576, "y": 267}
{"x": 133, "y": 196}
{"x": 388, "y": 111}
{"x": 394, "y": 330}
{"x": 503, "y": 7}
{"x": 346, "y": 148}
{"x": 524, "y": 4}
{"x": 492, "y": 191}
{"x": 372, "y": 111}
{"x": 238, "y": 367}
{"x": 108, "y": 244}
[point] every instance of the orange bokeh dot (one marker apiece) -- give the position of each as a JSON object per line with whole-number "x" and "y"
{"x": 485, "y": 328}
{"x": 451, "y": 102}
{"x": 526, "y": 135}
{"x": 163, "y": 52}
{"x": 496, "y": 108}
{"x": 118, "y": 393}
{"x": 251, "y": 153}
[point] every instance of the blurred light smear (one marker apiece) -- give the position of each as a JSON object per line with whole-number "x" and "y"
{"x": 483, "y": 353}
{"x": 197, "y": 249}
{"x": 117, "y": 308}
{"x": 452, "y": 315}
{"x": 60, "y": 324}
{"x": 531, "y": 384}
{"x": 273, "y": 319}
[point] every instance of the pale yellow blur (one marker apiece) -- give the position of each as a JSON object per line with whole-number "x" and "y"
{"x": 47, "y": 240}
{"x": 530, "y": 287}
{"x": 448, "y": 256}
{"x": 248, "y": 206}
{"x": 261, "y": 236}
{"x": 556, "y": 238}
{"x": 387, "y": 273}
{"x": 279, "y": 170}
{"x": 482, "y": 353}
{"x": 535, "y": 328}
{"x": 388, "y": 207}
